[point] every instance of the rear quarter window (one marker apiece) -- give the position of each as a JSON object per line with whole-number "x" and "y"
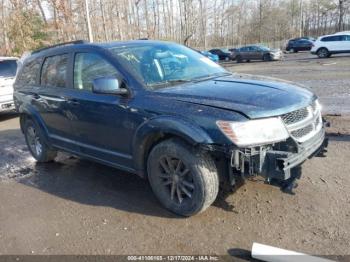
{"x": 29, "y": 72}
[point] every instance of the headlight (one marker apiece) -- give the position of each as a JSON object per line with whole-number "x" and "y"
{"x": 254, "y": 132}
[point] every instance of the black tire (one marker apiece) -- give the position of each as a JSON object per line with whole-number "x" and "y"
{"x": 323, "y": 53}
{"x": 293, "y": 50}
{"x": 267, "y": 57}
{"x": 239, "y": 59}
{"x": 185, "y": 180}
{"x": 36, "y": 143}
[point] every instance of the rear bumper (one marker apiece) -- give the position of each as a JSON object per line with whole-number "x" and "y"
{"x": 6, "y": 106}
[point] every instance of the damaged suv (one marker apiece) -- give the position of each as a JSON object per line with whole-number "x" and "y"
{"x": 168, "y": 114}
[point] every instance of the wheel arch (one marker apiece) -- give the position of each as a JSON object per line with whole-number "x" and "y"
{"x": 159, "y": 129}
{"x": 30, "y": 113}
{"x": 322, "y": 47}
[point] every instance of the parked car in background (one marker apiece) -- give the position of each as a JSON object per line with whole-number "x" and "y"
{"x": 211, "y": 56}
{"x": 299, "y": 44}
{"x": 8, "y": 69}
{"x": 327, "y": 45}
{"x": 257, "y": 52}
{"x": 223, "y": 54}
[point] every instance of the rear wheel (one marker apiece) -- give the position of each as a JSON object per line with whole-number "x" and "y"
{"x": 36, "y": 144}
{"x": 184, "y": 179}
{"x": 323, "y": 53}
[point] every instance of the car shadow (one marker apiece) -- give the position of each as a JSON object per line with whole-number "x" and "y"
{"x": 90, "y": 183}
{"x": 7, "y": 116}
{"x": 76, "y": 179}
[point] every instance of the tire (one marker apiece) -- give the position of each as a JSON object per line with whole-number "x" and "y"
{"x": 266, "y": 57}
{"x": 227, "y": 59}
{"x": 185, "y": 180}
{"x": 239, "y": 59}
{"x": 323, "y": 53}
{"x": 36, "y": 143}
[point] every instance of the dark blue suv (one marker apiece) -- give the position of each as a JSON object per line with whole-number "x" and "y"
{"x": 168, "y": 114}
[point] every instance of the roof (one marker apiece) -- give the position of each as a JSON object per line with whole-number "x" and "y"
{"x": 80, "y": 43}
{"x": 343, "y": 33}
{"x": 2, "y": 58}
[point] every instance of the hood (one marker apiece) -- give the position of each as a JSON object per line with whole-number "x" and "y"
{"x": 252, "y": 96}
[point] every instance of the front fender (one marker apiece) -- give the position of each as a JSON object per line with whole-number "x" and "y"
{"x": 162, "y": 126}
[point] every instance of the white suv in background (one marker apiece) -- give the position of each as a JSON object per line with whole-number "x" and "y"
{"x": 8, "y": 69}
{"x": 327, "y": 45}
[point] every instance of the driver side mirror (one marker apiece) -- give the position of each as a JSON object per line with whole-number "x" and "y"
{"x": 108, "y": 85}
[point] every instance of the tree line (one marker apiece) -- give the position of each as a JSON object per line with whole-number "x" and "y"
{"x": 30, "y": 24}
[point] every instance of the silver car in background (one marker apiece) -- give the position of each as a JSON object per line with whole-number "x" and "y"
{"x": 8, "y": 70}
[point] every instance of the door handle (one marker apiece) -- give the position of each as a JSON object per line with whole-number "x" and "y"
{"x": 73, "y": 101}
{"x": 36, "y": 96}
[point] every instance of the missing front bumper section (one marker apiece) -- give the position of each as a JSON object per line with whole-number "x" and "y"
{"x": 273, "y": 163}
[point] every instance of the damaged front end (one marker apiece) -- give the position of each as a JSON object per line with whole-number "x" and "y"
{"x": 279, "y": 163}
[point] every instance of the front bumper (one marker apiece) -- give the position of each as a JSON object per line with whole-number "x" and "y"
{"x": 276, "y": 162}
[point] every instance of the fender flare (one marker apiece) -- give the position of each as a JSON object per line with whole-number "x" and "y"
{"x": 157, "y": 128}
{"x": 32, "y": 113}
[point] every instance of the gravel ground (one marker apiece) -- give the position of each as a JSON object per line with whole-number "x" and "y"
{"x": 74, "y": 206}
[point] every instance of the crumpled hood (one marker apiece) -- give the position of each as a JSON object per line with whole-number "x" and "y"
{"x": 252, "y": 96}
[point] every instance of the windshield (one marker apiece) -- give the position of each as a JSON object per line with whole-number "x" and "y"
{"x": 161, "y": 65}
{"x": 8, "y": 68}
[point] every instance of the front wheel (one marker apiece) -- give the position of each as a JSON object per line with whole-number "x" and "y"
{"x": 323, "y": 53}
{"x": 185, "y": 180}
{"x": 267, "y": 57}
{"x": 36, "y": 143}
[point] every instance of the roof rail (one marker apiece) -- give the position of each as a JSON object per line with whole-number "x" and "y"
{"x": 76, "y": 42}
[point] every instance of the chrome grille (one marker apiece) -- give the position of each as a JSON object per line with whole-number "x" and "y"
{"x": 295, "y": 116}
{"x": 303, "y": 123}
{"x": 299, "y": 133}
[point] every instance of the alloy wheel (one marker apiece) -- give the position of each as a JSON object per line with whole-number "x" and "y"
{"x": 176, "y": 178}
{"x": 34, "y": 141}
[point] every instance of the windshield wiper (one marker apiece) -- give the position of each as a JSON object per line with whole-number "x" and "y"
{"x": 209, "y": 77}
{"x": 170, "y": 82}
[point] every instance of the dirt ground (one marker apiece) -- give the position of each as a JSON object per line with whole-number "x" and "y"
{"x": 75, "y": 206}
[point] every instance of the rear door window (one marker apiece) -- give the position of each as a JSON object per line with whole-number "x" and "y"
{"x": 88, "y": 67}
{"x": 54, "y": 71}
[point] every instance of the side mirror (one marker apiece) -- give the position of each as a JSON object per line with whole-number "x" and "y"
{"x": 108, "y": 85}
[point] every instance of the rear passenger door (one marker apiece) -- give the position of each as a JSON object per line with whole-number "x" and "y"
{"x": 99, "y": 121}
{"x": 51, "y": 100}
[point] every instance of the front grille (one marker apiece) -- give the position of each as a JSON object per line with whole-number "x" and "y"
{"x": 295, "y": 116}
{"x": 303, "y": 123}
{"x": 299, "y": 133}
